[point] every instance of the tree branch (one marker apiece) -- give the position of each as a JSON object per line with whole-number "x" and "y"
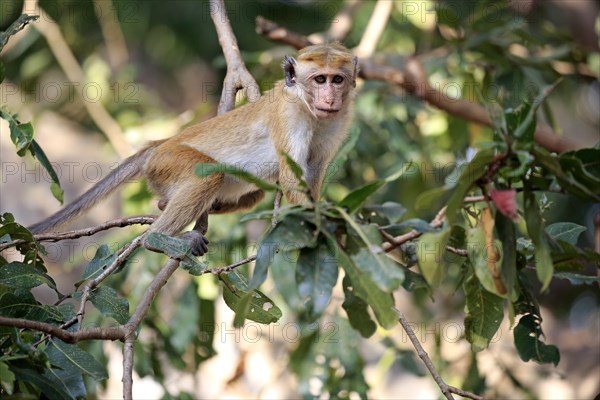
{"x": 374, "y": 29}
{"x": 91, "y": 285}
{"x": 414, "y": 81}
{"x": 116, "y": 47}
{"x": 342, "y": 22}
{"x": 237, "y": 76}
{"x": 112, "y": 333}
{"x": 446, "y": 389}
{"x": 393, "y": 242}
{"x": 128, "y": 368}
{"x": 75, "y": 234}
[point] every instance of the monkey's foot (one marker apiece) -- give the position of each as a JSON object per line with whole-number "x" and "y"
{"x": 197, "y": 241}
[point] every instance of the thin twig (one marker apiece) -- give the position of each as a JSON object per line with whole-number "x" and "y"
{"x": 75, "y": 234}
{"x": 396, "y": 241}
{"x": 474, "y": 199}
{"x": 446, "y": 389}
{"x": 229, "y": 268}
{"x": 415, "y": 81}
{"x": 116, "y": 48}
{"x": 92, "y": 284}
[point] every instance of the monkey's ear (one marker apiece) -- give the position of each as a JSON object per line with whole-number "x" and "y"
{"x": 289, "y": 70}
{"x": 356, "y": 68}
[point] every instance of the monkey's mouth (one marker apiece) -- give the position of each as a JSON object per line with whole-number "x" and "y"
{"x": 332, "y": 111}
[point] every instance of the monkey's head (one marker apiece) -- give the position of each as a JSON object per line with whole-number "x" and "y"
{"x": 324, "y": 76}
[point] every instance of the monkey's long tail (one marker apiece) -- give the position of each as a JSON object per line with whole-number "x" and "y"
{"x": 129, "y": 169}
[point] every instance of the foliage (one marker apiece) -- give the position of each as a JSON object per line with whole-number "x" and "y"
{"x": 499, "y": 251}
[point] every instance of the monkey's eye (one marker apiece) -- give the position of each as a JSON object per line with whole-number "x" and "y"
{"x": 338, "y": 79}
{"x": 320, "y": 79}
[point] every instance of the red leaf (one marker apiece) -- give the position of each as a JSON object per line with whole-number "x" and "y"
{"x": 506, "y": 202}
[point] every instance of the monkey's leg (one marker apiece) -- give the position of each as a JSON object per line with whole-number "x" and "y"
{"x": 248, "y": 200}
{"x": 183, "y": 208}
{"x": 185, "y": 197}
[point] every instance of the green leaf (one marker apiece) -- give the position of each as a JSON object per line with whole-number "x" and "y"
{"x": 22, "y": 304}
{"x": 551, "y": 163}
{"x": 583, "y": 166}
{"x": 15, "y": 231}
{"x": 283, "y": 263}
{"x": 293, "y": 232}
{"x": 414, "y": 281}
{"x": 316, "y": 275}
{"x": 508, "y": 236}
{"x": 19, "y": 275}
{"x": 110, "y": 304}
{"x": 429, "y": 198}
{"x": 478, "y": 257}
{"x": 521, "y": 122}
{"x": 431, "y": 251}
{"x": 251, "y": 304}
{"x": 566, "y": 231}
{"x": 590, "y": 159}
{"x": 529, "y": 346}
{"x": 384, "y": 272}
{"x": 296, "y": 169}
{"x": 55, "y": 187}
{"x": 21, "y": 135}
{"x": 390, "y": 210}
{"x": 483, "y": 314}
{"x": 419, "y": 225}
{"x": 527, "y": 121}
{"x": 365, "y": 288}
{"x": 535, "y": 227}
{"x": 7, "y": 378}
{"x": 567, "y": 257}
{"x": 2, "y": 75}
{"x": 52, "y": 390}
{"x": 471, "y": 172}
{"x": 370, "y": 258}
{"x": 355, "y": 199}
{"x": 102, "y": 259}
{"x": 64, "y": 355}
{"x": 178, "y": 249}
{"x": 204, "y": 170}
{"x": 357, "y": 310}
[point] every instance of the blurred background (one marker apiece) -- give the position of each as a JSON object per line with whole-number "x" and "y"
{"x": 143, "y": 70}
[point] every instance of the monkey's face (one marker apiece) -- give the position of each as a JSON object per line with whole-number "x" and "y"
{"x": 323, "y": 77}
{"x": 328, "y": 91}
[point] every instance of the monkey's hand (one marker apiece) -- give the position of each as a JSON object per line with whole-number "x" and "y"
{"x": 197, "y": 241}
